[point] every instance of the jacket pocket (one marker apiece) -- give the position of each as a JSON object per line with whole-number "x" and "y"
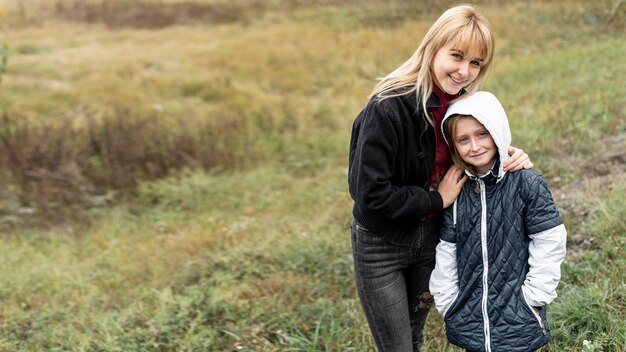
{"x": 534, "y": 313}
{"x": 449, "y": 308}
{"x": 364, "y": 236}
{"x": 360, "y": 227}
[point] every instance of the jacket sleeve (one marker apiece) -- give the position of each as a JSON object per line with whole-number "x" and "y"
{"x": 444, "y": 278}
{"x": 547, "y": 251}
{"x": 547, "y": 246}
{"x": 374, "y": 150}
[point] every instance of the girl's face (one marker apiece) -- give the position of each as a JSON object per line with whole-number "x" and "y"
{"x": 454, "y": 69}
{"x": 474, "y": 144}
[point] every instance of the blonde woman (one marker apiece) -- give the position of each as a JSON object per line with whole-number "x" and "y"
{"x": 401, "y": 176}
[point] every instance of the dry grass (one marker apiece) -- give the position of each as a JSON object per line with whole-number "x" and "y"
{"x": 255, "y": 253}
{"x": 117, "y": 14}
{"x": 92, "y": 109}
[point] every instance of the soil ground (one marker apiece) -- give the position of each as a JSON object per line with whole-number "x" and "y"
{"x": 604, "y": 170}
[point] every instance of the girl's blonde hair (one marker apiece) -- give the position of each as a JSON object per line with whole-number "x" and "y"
{"x": 463, "y": 27}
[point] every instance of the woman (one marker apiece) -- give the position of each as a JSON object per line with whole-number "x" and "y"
{"x": 401, "y": 178}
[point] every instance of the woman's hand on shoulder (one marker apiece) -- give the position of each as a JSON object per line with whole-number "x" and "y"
{"x": 518, "y": 160}
{"x": 451, "y": 184}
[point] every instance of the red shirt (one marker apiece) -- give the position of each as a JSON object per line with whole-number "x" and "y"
{"x": 443, "y": 161}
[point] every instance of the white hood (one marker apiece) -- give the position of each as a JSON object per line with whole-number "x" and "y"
{"x": 485, "y": 108}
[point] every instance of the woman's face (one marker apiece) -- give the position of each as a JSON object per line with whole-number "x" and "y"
{"x": 454, "y": 69}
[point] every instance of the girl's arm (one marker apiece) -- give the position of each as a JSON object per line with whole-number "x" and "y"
{"x": 547, "y": 251}
{"x": 444, "y": 278}
{"x": 518, "y": 160}
{"x": 547, "y": 246}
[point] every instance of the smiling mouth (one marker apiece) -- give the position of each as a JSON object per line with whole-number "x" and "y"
{"x": 477, "y": 155}
{"x": 457, "y": 81}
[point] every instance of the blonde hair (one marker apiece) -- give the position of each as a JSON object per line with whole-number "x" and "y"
{"x": 449, "y": 131}
{"x": 463, "y": 27}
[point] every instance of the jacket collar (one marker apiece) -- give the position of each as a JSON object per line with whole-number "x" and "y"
{"x": 414, "y": 99}
{"x": 433, "y": 101}
{"x": 491, "y": 177}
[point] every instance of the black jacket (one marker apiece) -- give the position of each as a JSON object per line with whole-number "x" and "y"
{"x": 392, "y": 154}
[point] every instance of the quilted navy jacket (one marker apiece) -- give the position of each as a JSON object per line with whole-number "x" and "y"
{"x": 502, "y": 243}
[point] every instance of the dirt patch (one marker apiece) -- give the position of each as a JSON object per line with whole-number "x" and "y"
{"x": 151, "y": 14}
{"x": 603, "y": 170}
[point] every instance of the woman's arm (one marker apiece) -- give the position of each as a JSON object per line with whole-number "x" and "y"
{"x": 518, "y": 160}
{"x": 451, "y": 184}
{"x": 374, "y": 148}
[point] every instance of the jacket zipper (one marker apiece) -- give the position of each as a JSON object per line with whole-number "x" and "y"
{"x": 434, "y": 134}
{"x": 483, "y": 242}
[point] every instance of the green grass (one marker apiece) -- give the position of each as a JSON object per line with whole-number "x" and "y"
{"x": 267, "y": 256}
{"x": 591, "y": 304}
{"x": 254, "y": 253}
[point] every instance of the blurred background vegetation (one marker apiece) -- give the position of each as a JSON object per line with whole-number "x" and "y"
{"x": 174, "y": 171}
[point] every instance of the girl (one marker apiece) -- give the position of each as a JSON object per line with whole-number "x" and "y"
{"x": 502, "y": 242}
{"x": 399, "y": 178}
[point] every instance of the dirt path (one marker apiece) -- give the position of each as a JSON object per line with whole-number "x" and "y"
{"x": 601, "y": 171}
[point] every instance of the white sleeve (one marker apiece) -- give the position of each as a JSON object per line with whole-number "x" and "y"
{"x": 547, "y": 251}
{"x": 444, "y": 278}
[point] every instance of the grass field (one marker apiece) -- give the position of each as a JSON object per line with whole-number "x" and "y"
{"x": 177, "y": 181}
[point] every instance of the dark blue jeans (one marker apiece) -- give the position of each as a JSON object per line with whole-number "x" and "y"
{"x": 392, "y": 274}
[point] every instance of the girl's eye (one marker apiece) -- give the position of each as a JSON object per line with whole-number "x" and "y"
{"x": 457, "y": 56}
{"x": 483, "y": 134}
{"x": 475, "y": 63}
{"x": 462, "y": 140}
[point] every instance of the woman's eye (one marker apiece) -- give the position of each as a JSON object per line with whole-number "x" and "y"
{"x": 462, "y": 140}
{"x": 457, "y": 56}
{"x": 475, "y": 63}
{"x": 483, "y": 134}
